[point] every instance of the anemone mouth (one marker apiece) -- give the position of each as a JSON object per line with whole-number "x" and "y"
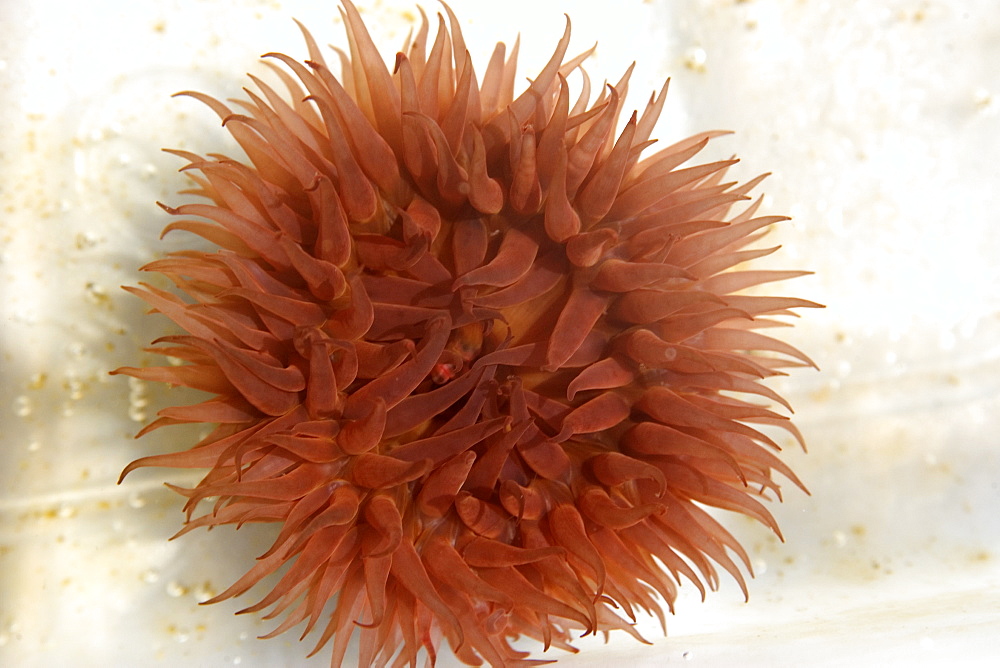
{"x": 481, "y": 361}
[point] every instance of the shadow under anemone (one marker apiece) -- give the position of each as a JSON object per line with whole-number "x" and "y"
{"x": 483, "y": 363}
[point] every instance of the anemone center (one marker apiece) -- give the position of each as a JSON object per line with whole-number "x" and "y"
{"x": 464, "y": 346}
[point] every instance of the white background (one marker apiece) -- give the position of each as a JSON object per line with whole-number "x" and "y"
{"x": 880, "y": 124}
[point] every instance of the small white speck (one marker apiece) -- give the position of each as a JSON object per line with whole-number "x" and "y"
{"x": 984, "y": 101}
{"x": 203, "y": 592}
{"x": 137, "y": 400}
{"x": 695, "y": 58}
{"x": 176, "y": 589}
{"x": 840, "y": 538}
{"x": 75, "y": 387}
{"x": 95, "y": 293}
{"x": 23, "y": 406}
{"x": 85, "y": 240}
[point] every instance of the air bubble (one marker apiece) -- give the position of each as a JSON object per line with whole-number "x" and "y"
{"x": 96, "y": 294}
{"x": 176, "y": 589}
{"x": 23, "y": 406}
{"x": 695, "y": 58}
{"x": 204, "y": 592}
{"x": 984, "y": 101}
{"x": 75, "y": 388}
{"x": 85, "y": 240}
{"x": 137, "y": 400}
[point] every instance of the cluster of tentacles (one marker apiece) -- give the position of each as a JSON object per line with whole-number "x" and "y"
{"x": 483, "y": 365}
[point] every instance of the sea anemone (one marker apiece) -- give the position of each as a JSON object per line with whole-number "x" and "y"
{"x": 483, "y": 365}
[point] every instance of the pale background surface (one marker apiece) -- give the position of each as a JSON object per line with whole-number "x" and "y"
{"x": 881, "y": 124}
